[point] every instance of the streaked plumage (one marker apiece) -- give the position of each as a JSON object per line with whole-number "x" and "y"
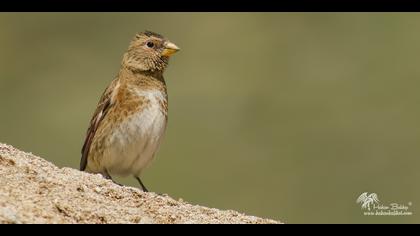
{"x": 130, "y": 120}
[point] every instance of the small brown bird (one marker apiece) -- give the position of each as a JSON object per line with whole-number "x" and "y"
{"x": 130, "y": 119}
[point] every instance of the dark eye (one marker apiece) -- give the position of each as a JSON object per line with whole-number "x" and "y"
{"x": 150, "y": 44}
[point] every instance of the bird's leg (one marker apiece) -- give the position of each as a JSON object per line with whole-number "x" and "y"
{"x": 141, "y": 184}
{"x": 106, "y": 175}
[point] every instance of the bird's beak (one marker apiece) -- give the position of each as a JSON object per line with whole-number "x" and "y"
{"x": 170, "y": 49}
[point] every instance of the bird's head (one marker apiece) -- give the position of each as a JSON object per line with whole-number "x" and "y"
{"x": 149, "y": 51}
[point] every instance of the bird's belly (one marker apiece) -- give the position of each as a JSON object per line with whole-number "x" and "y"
{"x": 135, "y": 141}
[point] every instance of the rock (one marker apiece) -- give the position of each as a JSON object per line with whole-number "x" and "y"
{"x": 33, "y": 190}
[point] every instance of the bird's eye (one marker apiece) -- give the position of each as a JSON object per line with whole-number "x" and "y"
{"x": 150, "y": 44}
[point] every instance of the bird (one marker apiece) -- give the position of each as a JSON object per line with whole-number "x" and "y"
{"x": 130, "y": 119}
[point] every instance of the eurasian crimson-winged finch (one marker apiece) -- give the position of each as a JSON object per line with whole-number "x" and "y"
{"x": 130, "y": 119}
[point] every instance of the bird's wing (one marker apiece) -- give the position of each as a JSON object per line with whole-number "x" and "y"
{"x": 362, "y": 197}
{"x": 101, "y": 110}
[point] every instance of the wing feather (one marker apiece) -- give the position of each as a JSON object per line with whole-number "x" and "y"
{"x": 102, "y": 109}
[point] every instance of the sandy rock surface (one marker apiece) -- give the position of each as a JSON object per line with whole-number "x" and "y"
{"x": 33, "y": 190}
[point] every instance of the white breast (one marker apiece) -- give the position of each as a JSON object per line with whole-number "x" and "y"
{"x": 136, "y": 140}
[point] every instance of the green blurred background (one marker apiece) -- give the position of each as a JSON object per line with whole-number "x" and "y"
{"x": 289, "y": 116}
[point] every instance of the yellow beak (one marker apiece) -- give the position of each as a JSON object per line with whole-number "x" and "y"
{"x": 170, "y": 49}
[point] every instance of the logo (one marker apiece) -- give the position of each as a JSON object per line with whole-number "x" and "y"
{"x": 373, "y": 207}
{"x": 368, "y": 200}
